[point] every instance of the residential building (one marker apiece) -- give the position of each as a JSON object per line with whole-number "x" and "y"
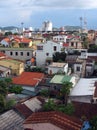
{"x": 51, "y": 121}
{"x": 29, "y": 81}
{"x": 84, "y": 90}
{"x": 5, "y": 42}
{"x": 91, "y": 35}
{"x": 78, "y": 66}
{"x": 71, "y": 60}
{"x": 16, "y": 41}
{"x": 16, "y": 66}
{"x": 45, "y": 52}
{"x": 90, "y": 66}
{"x": 60, "y": 38}
{"x": 74, "y": 42}
{"x": 33, "y": 104}
{"x": 57, "y": 81}
{"x": 57, "y": 67}
{"x": 5, "y": 71}
{"x": 11, "y": 120}
{"x": 23, "y": 54}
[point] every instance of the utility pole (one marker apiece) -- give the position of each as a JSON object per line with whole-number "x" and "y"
{"x": 81, "y": 19}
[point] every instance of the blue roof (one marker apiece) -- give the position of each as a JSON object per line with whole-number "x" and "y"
{"x": 86, "y": 125}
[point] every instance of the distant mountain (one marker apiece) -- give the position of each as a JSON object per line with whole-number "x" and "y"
{"x": 9, "y": 28}
{"x": 72, "y": 28}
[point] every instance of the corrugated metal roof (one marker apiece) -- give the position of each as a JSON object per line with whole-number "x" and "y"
{"x": 10, "y": 120}
{"x": 84, "y": 87}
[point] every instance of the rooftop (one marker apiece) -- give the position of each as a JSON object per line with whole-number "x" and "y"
{"x": 12, "y": 61}
{"x": 11, "y": 120}
{"x": 59, "y": 79}
{"x": 62, "y": 121}
{"x": 23, "y": 109}
{"x": 57, "y": 64}
{"x": 84, "y": 87}
{"x": 2, "y": 54}
{"x": 28, "y": 78}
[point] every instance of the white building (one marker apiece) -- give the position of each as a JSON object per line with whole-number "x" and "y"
{"x": 45, "y": 52}
{"x": 60, "y": 38}
{"x": 84, "y": 90}
{"x": 78, "y": 66}
{"x": 57, "y": 67}
{"x": 47, "y": 26}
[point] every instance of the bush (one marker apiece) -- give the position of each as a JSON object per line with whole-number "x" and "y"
{"x": 16, "y": 89}
{"x": 10, "y": 103}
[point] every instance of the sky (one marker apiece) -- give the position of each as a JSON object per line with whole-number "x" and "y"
{"x": 32, "y": 13}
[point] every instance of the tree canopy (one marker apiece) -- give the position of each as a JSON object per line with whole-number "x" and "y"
{"x": 59, "y": 56}
{"x": 65, "y": 90}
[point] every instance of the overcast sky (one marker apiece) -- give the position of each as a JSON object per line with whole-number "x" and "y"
{"x": 59, "y": 12}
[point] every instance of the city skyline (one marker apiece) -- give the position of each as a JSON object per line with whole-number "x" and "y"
{"x": 60, "y": 13}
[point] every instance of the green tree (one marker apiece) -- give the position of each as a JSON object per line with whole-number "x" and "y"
{"x": 93, "y": 49}
{"x": 8, "y": 81}
{"x": 16, "y": 89}
{"x": 69, "y": 109}
{"x": 93, "y": 123}
{"x": 10, "y": 103}
{"x": 65, "y": 91}
{"x": 3, "y": 88}
{"x": 59, "y": 56}
{"x": 45, "y": 92}
{"x": 2, "y": 103}
{"x": 49, "y": 106}
{"x": 8, "y": 33}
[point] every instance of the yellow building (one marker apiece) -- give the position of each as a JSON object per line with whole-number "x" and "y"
{"x": 17, "y": 67}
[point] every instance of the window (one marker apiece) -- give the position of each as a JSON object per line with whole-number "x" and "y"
{"x": 77, "y": 68}
{"x": 11, "y": 53}
{"x": 55, "y": 48}
{"x": 72, "y": 43}
{"x": 21, "y": 53}
{"x": 39, "y": 47}
{"x": 28, "y": 54}
{"x": 16, "y": 53}
{"x": 47, "y": 54}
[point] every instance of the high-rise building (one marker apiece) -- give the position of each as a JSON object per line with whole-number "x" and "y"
{"x": 47, "y": 26}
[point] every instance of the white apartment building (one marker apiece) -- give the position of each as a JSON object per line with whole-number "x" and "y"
{"x": 45, "y": 51}
{"x": 47, "y": 26}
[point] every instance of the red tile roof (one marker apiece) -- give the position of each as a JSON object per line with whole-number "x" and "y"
{"x": 17, "y": 39}
{"x": 2, "y": 54}
{"x": 7, "y": 39}
{"x": 25, "y": 40}
{"x": 28, "y": 78}
{"x": 65, "y": 44}
{"x": 59, "y": 119}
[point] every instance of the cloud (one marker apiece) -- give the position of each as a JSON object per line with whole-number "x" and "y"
{"x": 16, "y": 11}
{"x": 66, "y": 4}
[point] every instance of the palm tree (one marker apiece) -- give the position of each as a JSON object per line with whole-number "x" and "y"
{"x": 65, "y": 91}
